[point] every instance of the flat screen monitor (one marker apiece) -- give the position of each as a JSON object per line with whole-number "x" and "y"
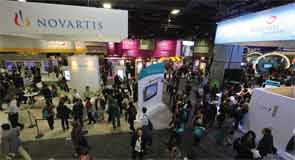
{"x": 67, "y": 75}
{"x": 267, "y": 65}
{"x": 150, "y": 91}
{"x": 187, "y": 48}
{"x": 9, "y": 66}
{"x": 146, "y": 44}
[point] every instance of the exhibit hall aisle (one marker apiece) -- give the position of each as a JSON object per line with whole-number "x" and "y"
{"x": 107, "y": 144}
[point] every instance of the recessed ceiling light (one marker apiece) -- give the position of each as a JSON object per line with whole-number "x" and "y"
{"x": 22, "y": 0}
{"x": 107, "y": 5}
{"x": 175, "y": 11}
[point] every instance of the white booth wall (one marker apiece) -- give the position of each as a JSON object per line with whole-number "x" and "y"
{"x": 84, "y": 71}
{"x": 272, "y": 108}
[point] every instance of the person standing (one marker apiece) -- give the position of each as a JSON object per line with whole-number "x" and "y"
{"x": 87, "y": 93}
{"x": 138, "y": 145}
{"x": 78, "y": 111}
{"x": 78, "y": 138}
{"x": 11, "y": 143}
{"x": 63, "y": 113}
{"x": 99, "y": 104}
{"x": 114, "y": 112}
{"x": 135, "y": 90}
{"x": 265, "y": 145}
{"x": 245, "y": 145}
{"x": 147, "y": 127}
{"x": 48, "y": 114}
{"x": 90, "y": 111}
{"x": 45, "y": 91}
{"x": 13, "y": 113}
{"x": 131, "y": 114}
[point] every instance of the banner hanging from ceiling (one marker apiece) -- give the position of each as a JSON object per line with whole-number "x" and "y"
{"x": 48, "y": 21}
{"x": 275, "y": 24}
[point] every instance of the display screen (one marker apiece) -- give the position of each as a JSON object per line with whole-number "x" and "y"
{"x": 9, "y": 66}
{"x": 146, "y": 44}
{"x": 150, "y": 91}
{"x": 67, "y": 75}
{"x": 187, "y": 50}
{"x": 131, "y": 44}
{"x": 267, "y": 65}
{"x": 165, "y": 48}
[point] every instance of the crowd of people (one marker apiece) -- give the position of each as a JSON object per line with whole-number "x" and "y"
{"x": 197, "y": 106}
{"x": 224, "y": 111}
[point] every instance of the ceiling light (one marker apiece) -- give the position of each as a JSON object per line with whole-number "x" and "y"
{"x": 22, "y": 0}
{"x": 175, "y": 11}
{"x": 107, "y": 5}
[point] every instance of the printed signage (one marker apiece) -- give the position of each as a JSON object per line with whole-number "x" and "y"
{"x": 62, "y": 21}
{"x": 270, "y": 25}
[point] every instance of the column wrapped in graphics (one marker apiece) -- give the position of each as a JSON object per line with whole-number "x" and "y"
{"x": 150, "y": 88}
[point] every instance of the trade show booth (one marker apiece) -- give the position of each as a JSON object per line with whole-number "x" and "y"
{"x": 269, "y": 107}
{"x": 150, "y": 89}
{"x": 269, "y": 29}
{"x": 273, "y": 108}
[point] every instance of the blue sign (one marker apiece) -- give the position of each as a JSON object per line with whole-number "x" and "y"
{"x": 275, "y": 24}
{"x": 270, "y": 83}
{"x": 158, "y": 68}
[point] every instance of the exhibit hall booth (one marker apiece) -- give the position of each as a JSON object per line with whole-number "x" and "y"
{"x": 150, "y": 96}
{"x": 38, "y": 28}
{"x": 269, "y": 108}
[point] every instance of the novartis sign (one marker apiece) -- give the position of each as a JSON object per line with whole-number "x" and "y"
{"x": 63, "y": 21}
{"x": 70, "y": 24}
{"x": 268, "y": 26}
{"x": 276, "y": 24}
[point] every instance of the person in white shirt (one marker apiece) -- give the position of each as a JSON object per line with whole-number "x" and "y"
{"x": 76, "y": 95}
{"x": 13, "y": 113}
{"x": 147, "y": 127}
{"x": 138, "y": 145}
{"x": 144, "y": 118}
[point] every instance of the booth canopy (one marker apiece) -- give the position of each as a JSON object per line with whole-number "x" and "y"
{"x": 62, "y": 22}
{"x": 276, "y": 25}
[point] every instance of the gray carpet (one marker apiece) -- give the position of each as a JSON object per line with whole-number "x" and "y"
{"x": 116, "y": 146}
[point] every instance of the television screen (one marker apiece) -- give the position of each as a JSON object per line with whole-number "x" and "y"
{"x": 146, "y": 44}
{"x": 9, "y": 66}
{"x": 150, "y": 91}
{"x": 187, "y": 48}
{"x": 187, "y": 51}
{"x": 267, "y": 65}
{"x": 67, "y": 75}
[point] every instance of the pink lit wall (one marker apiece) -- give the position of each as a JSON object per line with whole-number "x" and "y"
{"x": 130, "y": 48}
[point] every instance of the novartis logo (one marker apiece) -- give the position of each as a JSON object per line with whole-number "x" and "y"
{"x": 270, "y": 26}
{"x": 57, "y": 23}
{"x": 271, "y": 19}
{"x": 20, "y": 20}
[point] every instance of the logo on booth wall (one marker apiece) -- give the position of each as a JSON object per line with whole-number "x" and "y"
{"x": 20, "y": 20}
{"x": 271, "y": 19}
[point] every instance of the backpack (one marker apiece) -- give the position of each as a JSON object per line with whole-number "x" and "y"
{"x": 88, "y": 105}
{"x": 45, "y": 113}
